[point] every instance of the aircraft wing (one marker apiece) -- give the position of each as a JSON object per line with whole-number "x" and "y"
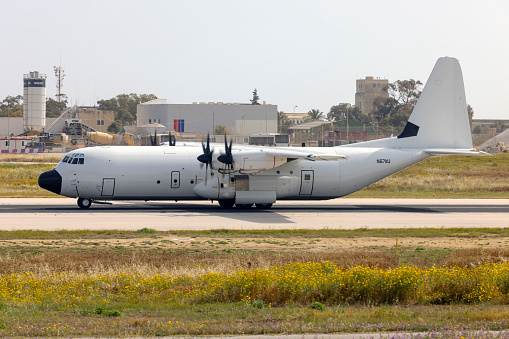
{"x": 253, "y": 160}
{"x": 303, "y": 155}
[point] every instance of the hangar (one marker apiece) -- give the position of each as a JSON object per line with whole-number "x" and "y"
{"x": 239, "y": 119}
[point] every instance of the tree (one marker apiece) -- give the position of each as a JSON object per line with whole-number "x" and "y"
{"x": 393, "y": 112}
{"x": 340, "y": 112}
{"x": 470, "y": 112}
{"x": 220, "y": 129}
{"x": 54, "y": 108}
{"x": 114, "y": 127}
{"x": 283, "y": 122}
{"x": 384, "y": 107}
{"x": 125, "y": 106}
{"x": 315, "y": 114}
{"x": 11, "y": 106}
{"x": 406, "y": 92}
{"x": 255, "y": 99}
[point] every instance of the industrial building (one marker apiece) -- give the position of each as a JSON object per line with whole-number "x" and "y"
{"x": 240, "y": 120}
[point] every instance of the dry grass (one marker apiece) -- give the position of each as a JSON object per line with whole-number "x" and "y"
{"x": 33, "y": 157}
{"x": 461, "y": 176}
{"x": 476, "y": 256}
{"x": 177, "y": 263}
{"x": 20, "y": 180}
{"x": 180, "y": 262}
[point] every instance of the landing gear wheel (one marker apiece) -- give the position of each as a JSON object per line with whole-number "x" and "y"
{"x": 243, "y": 206}
{"x": 84, "y": 203}
{"x": 226, "y": 203}
{"x": 263, "y": 206}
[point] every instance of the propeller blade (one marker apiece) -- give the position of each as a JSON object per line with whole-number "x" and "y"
{"x": 227, "y": 157}
{"x": 206, "y": 157}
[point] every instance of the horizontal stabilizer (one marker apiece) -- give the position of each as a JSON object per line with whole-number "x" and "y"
{"x": 453, "y": 151}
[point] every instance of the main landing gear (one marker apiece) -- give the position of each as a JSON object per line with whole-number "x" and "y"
{"x": 228, "y": 203}
{"x": 84, "y": 203}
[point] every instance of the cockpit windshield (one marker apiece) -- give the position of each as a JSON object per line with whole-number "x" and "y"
{"x": 74, "y": 159}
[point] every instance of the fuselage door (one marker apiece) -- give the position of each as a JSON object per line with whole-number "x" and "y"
{"x": 175, "y": 179}
{"x": 108, "y": 187}
{"x": 307, "y": 178}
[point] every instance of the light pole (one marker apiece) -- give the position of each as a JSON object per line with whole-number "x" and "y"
{"x": 294, "y": 107}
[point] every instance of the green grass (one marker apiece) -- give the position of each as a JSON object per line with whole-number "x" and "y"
{"x": 281, "y": 233}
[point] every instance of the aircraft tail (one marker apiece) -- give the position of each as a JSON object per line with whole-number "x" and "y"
{"x": 440, "y": 118}
{"x": 439, "y": 123}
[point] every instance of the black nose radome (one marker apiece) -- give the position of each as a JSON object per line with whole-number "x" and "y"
{"x": 51, "y": 181}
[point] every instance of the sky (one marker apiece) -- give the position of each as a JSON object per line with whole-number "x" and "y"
{"x": 294, "y": 52}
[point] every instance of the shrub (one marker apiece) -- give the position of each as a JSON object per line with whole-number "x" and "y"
{"x": 317, "y": 306}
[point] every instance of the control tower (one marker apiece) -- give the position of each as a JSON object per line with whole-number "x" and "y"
{"x": 34, "y": 101}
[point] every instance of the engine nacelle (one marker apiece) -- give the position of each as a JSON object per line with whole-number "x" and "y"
{"x": 215, "y": 189}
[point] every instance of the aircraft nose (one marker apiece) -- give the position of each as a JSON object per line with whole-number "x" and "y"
{"x": 51, "y": 181}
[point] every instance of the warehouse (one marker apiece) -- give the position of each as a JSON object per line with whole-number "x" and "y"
{"x": 240, "y": 120}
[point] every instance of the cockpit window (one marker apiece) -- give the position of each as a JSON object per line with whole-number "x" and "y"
{"x": 75, "y": 159}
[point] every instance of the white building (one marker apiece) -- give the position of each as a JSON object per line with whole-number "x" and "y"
{"x": 239, "y": 119}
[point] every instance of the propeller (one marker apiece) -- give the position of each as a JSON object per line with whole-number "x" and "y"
{"x": 171, "y": 139}
{"x": 227, "y": 157}
{"x": 153, "y": 142}
{"x": 206, "y": 157}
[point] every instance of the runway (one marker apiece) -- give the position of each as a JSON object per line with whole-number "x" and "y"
{"x": 343, "y": 213}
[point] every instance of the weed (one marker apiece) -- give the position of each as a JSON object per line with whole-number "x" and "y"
{"x": 317, "y": 306}
{"x": 258, "y": 304}
{"x": 146, "y": 230}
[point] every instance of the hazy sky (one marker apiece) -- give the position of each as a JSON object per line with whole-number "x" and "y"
{"x": 296, "y": 53}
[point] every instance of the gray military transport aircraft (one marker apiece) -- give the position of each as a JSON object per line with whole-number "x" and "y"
{"x": 245, "y": 176}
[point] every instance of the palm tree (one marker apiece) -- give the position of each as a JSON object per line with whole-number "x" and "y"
{"x": 282, "y": 122}
{"x": 315, "y": 114}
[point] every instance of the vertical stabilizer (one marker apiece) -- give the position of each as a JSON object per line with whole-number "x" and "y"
{"x": 440, "y": 118}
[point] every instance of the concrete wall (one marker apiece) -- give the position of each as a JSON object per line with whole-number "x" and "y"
{"x": 14, "y": 126}
{"x": 239, "y": 119}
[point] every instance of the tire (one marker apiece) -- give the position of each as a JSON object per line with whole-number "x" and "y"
{"x": 263, "y": 206}
{"x": 226, "y": 203}
{"x": 243, "y": 206}
{"x": 84, "y": 203}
